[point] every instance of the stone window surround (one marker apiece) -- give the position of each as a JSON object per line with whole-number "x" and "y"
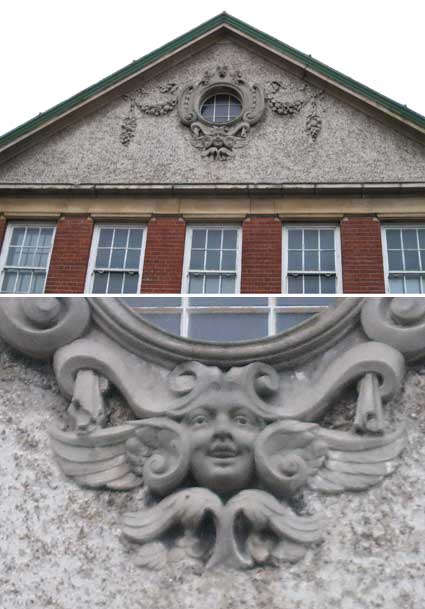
{"x": 94, "y": 247}
{"x": 398, "y": 225}
{"x": 337, "y": 244}
{"x": 188, "y": 249}
{"x": 11, "y": 225}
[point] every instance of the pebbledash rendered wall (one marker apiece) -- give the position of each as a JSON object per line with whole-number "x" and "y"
{"x": 316, "y": 155}
{"x": 61, "y": 544}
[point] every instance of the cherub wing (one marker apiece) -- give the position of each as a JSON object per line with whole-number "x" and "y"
{"x": 355, "y": 463}
{"x": 151, "y": 451}
{"x": 98, "y": 459}
{"x": 290, "y": 454}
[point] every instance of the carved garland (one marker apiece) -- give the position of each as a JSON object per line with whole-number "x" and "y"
{"x": 218, "y": 141}
{"x": 223, "y": 451}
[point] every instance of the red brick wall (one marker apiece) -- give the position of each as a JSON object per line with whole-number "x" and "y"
{"x": 163, "y": 265}
{"x": 70, "y": 255}
{"x": 261, "y": 255}
{"x": 361, "y": 250}
{"x": 3, "y": 223}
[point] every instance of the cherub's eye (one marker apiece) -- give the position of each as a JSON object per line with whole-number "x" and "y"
{"x": 241, "y": 419}
{"x": 198, "y": 420}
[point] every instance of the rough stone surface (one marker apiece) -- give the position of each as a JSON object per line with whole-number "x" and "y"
{"x": 60, "y": 546}
{"x": 350, "y": 146}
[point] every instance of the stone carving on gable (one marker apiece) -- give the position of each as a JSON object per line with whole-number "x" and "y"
{"x": 129, "y": 124}
{"x": 218, "y": 140}
{"x": 288, "y": 102}
{"x": 224, "y": 444}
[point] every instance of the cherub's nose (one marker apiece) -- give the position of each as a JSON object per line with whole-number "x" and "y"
{"x": 221, "y": 428}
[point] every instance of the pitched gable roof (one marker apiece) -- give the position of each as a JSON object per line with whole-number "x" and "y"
{"x": 306, "y": 65}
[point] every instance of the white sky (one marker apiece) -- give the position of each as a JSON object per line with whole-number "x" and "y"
{"x": 51, "y": 49}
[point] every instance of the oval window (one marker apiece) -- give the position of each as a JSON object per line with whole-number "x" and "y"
{"x": 221, "y": 108}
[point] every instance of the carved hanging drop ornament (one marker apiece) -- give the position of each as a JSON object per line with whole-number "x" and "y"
{"x": 217, "y": 136}
{"x": 223, "y": 452}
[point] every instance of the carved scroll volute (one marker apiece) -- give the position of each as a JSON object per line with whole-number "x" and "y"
{"x": 188, "y": 381}
{"x": 286, "y": 454}
{"x": 399, "y": 322}
{"x": 260, "y": 382}
{"x": 40, "y": 326}
{"x": 161, "y": 449}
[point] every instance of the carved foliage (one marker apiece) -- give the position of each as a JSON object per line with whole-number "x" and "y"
{"x": 129, "y": 124}
{"x": 289, "y": 103}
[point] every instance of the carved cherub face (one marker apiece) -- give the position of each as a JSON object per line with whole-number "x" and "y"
{"x": 222, "y": 433}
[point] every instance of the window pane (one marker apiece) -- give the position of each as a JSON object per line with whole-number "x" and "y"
{"x": 130, "y": 283}
{"x": 166, "y": 321}
{"x": 311, "y": 239}
{"x": 327, "y": 261}
{"x": 229, "y": 239}
{"x": 395, "y": 261}
{"x": 100, "y": 283}
{"x": 327, "y": 239}
{"x": 284, "y": 321}
{"x": 17, "y": 236}
{"x": 311, "y": 284}
{"x": 197, "y": 259}
{"x": 37, "y": 284}
{"x": 31, "y": 238}
{"x": 198, "y": 238}
{"x": 295, "y": 261}
{"x": 9, "y": 281}
{"x": 295, "y": 239}
{"x": 227, "y": 327}
{"x": 409, "y": 238}
{"x": 117, "y": 258}
{"x": 196, "y": 284}
{"x": 23, "y": 283}
{"x": 305, "y": 301}
{"x": 27, "y": 258}
{"x": 212, "y": 284}
{"x": 115, "y": 283}
{"x": 102, "y": 258}
{"x": 393, "y": 239}
{"x": 214, "y": 239}
{"x": 213, "y": 260}
{"x": 295, "y": 285}
{"x": 413, "y": 285}
{"x": 120, "y": 237}
{"x": 311, "y": 261}
{"x": 45, "y": 237}
{"x": 105, "y": 237}
{"x": 228, "y": 284}
{"x": 13, "y": 256}
{"x": 396, "y": 285}
{"x": 40, "y": 259}
{"x": 328, "y": 285}
{"x": 411, "y": 260}
{"x": 135, "y": 238}
{"x": 133, "y": 259}
{"x": 228, "y": 261}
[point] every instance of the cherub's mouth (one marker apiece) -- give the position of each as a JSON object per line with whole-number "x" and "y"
{"x": 223, "y": 451}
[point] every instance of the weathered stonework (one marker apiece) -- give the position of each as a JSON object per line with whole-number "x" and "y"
{"x": 69, "y": 536}
{"x": 333, "y": 142}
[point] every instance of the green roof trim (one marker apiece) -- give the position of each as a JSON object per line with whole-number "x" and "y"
{"x": 221, "y": 19}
